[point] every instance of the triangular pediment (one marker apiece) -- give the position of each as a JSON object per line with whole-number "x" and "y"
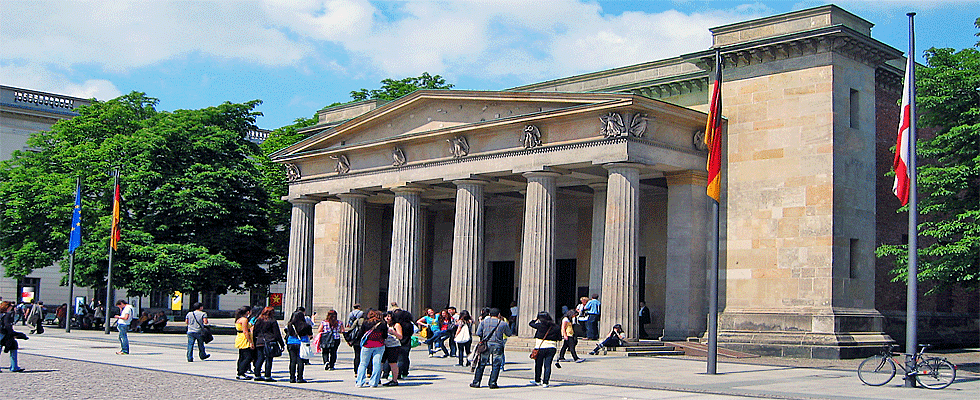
{"x": 428, "y": 111}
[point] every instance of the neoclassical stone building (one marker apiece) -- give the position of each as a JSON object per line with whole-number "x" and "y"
{"x": 596, "y": 184}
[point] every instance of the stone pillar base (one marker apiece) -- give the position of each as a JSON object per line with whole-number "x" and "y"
{"x": 817, "y": 333}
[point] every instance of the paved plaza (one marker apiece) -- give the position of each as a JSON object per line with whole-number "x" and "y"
{"x": 83, "y": 364}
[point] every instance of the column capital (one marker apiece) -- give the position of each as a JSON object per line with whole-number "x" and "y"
{"x": 687, "y": 177}
{"x": 541, "y": 174}
{"x": 304, "y": 200}
{"x": 621, "y": 165}
{"x": 408, "y": 189}
{"x": 471, "y": 181}
{"x": 352, "y": 195}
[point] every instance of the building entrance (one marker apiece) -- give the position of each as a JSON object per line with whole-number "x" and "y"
{"x": 565, "y": 290}
{"x": 501, "y": 286}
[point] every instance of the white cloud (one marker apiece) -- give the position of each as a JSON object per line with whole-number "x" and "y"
{"x": 461, "y": 38}
{"x": 36, "y": 77}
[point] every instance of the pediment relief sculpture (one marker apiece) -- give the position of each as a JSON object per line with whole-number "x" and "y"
{"x": 458, "y": 146}
{"x": 398, "y": 157}
{"x": 532, "y": 137}
{"x": 292, "y": 172}
{"x": 343, "y": 164}
{"x": 616, "y": 125}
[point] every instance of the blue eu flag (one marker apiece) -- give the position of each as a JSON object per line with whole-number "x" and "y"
{"x": 76, "y": 221}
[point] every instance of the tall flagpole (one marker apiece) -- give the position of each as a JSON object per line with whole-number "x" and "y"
{"x": 72, "y": 245}
{"x": 713, "y": 128}
{"x": 912, "y": 315}
{"x": 108, "y": 286}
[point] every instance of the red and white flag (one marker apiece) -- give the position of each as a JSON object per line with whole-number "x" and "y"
{"x": 902, "y": 156}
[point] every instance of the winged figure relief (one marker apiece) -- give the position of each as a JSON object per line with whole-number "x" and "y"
{"x": 343, "y": 164}
{"x": 292, "y": 173}
{"x": 612, "y": 125}
{"x": 458, "y": 146}
{"x": 532, "y": 137}
{"x": 398, "y": 157}
{"x": 638, "y": 125}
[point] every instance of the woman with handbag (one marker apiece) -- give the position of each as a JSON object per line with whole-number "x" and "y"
{"x": 268, "y": 343}
{"x": 547, "y": 336}
{"x": 243, "y": 342}
{"x": 330, "y": 332}
{"x": 298, "y": 333}
{"x": 393, "y": 347}
{"x": 463, "y": 337}
{"x": 568, "y": 333}
{"x": 372, "y": 348}
{"x": 429, "y": 324}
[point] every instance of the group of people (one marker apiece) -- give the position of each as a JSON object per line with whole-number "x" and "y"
{"x": 382, "y": 340}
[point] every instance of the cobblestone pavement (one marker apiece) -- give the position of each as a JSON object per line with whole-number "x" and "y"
{"x": 69, "y": 379}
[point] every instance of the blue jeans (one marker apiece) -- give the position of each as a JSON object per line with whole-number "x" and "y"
{"x": 123, "y": 337}
{"x": 191, "y": 338}
{"x": 438, "y": 338}
{"x": 13, "y": 361}
{"x": 592, "y": 327}
{"x": 370, "y": 355}
{"x": 493, "y": 356}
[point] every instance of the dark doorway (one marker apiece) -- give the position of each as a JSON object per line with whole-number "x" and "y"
{"x": 501, "y": 286}
{"x": 565, "y": 291}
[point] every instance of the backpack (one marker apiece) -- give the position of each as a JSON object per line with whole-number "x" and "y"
{"x": 356, "y": 333}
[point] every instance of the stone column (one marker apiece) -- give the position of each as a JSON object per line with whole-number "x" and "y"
{"x": 598, "y": 226}
{"x": 468, "y": 283}
{"x": 686, "y": 307}
{"x": 299, "y": 265}
{"x": 538, "y": 250}
{"x": 620, "y": 263}
{"x": 350, "y": 251}
{"x": 405, "y": 273}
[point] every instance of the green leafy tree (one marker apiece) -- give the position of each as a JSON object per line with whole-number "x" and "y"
{"x": 392, "y": 89}
{"x": 949, "y": 172}
{"x": 194, "y": 215}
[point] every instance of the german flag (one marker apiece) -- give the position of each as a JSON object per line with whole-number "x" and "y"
{"x": 115, "y": 219}
{"x": 712, "y": 135}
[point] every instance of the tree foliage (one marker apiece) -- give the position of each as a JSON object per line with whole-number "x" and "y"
{"x": 392, "y": 89}
{"x": 948, "y": 172}
{"x": 195, "y": 213}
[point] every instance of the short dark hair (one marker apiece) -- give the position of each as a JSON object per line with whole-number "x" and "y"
{"x": 495, "y": 312}
{"x": 595, "y": 295}
{"x": 121, "y": 301}
{"x": 197, "y": 306}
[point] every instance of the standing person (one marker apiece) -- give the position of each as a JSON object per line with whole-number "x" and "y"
{"x": 493, "y": 330}
{"x": 267, "y": 337}
{"x": 98, "y": 313}
{"x": 568, "y": 334}
{"x": 61, "y": 313}
{"x": 547, "y": 337}
{"x": 330, "y": 332}
{"x": 356, "y": 334}
{"x": 354, "y": 315}
{"x": 644, "y": 320}
{"x": 8, "y": 337}
{"x": 463, "y": 337}
{"x": 243, "y": 342}
{"x": 451, "y": 329}
{"x": 252, "y": 318}
{"x": 372, "y": 348}
{"x": 393, "y": 347}
{"x": 34, "y": 316}
{"x": 513, "y": 317}
{"x": 593, "y": 312}
{"x": 583, "y": 318}
{"x": 298, "y": 333}
{"x": 123, "y": 320}
{"x": 404, "y": 318}
{"x": 195, "y": 320}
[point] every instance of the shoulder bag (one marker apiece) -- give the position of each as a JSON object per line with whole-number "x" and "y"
{"x": 464, "y": 334}
{"x": 534, "y": 351}
{"x": 206, "y": 335}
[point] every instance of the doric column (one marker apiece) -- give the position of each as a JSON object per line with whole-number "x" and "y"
{"x": 538, "y": 249}
{"x": 468, "y": 283}
{"x": 299, "y": 265}
{"x": 685, "y": 307}
{"x": 598, "y": 226}
{"x": 405, "y": 273}
{"x": 350, "y": 251}
{"x": 620, "y": 266}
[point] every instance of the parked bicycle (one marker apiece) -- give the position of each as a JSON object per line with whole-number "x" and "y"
{"x": 932, "y": 372}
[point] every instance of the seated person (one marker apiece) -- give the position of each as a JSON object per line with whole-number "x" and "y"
{"x": 143, "y": 324}
{"x": 616, "y": 338}
{"x": 159, "y": 321}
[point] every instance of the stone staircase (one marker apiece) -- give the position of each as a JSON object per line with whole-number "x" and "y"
{"x": 634, "y": 348}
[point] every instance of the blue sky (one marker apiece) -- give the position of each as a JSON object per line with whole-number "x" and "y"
{"x": 297, "y": 56}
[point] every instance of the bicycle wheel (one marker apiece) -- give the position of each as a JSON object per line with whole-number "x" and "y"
{"x": 935, "y": 373}
{"x": 876, "y": 370}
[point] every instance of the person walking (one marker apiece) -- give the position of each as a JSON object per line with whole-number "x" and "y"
{"x": 123, "y": 320}
{"x": 34, "y": 316}
{"x": 8, "y": 337}
{"x": 354, "y": 340}
{"x": 243, "y": 342}
{"x": 372, "y": 348}
{"x": 463, "y": 337}
{"x": 546, "y": 337}
{"x": 593, "y": 312}
{"x": 493, "y": 330}
{"x": 268, "y": 343}
{"x": 644, "y": 320}
{"x": 568, "y": 335}
{"x": 298, "y": 333}
{"x": 354, "y": 315}
{"x": 196, "y": 319}
{"x": 330, "y": 332}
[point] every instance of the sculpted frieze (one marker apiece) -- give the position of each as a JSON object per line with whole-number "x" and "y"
{"x": 343, "y": 164}
{"x": 532, "y": 137}
{"x": 615, "y": 124}
{"x": 458, "y": 146}
{"x": 292, "y": 172}
{"x": 398, "y": 157}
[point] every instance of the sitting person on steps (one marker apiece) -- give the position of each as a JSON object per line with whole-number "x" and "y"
{"x": 616, "y": 338}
